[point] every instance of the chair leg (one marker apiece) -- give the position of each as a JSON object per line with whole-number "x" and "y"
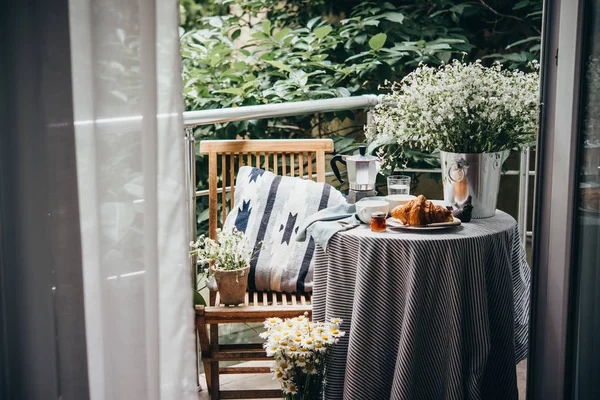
{"x": 205, "y": 348}
{"x": 214, "y": 380}
{"x": 208, "y": 374}
{"x": 198, "y": 387}
{"x": 212, "y": 373}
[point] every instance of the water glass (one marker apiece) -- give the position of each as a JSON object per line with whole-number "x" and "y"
{"x": 398, "y": 184}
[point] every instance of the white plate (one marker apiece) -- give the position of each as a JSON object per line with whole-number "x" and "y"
{"x": 394, "y": 223}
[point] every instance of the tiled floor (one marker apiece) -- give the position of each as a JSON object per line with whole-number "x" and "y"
{"x": 264, "y": 381}
{"x": 522, "y": 378}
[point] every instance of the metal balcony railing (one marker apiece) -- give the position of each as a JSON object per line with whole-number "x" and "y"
{"x": 207, "y": 117}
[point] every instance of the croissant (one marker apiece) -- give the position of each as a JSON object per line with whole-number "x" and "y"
{"x": 421, "y": 212}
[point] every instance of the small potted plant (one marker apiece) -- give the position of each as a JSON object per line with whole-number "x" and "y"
{"x": 473, "y": 114}
{"x": 300, "y": 348}
{"x": 228, "y": 258}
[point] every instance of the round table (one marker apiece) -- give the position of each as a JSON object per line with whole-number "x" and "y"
{"x": 429, "y": 315}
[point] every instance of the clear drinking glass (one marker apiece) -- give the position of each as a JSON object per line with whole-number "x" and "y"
{"x": 398, "y": 184}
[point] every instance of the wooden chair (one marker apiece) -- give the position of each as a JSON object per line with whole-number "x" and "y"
{"x": 282, "y": 157}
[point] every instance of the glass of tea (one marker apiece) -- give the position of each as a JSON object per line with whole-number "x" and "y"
{"x": 378, "y": 221}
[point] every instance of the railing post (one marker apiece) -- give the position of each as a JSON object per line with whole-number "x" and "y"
{"x": 190, "y": 189}
{"x": 523, "y": 194}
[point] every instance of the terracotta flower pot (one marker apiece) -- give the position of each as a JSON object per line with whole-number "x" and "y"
{"x": 232, "y": 284}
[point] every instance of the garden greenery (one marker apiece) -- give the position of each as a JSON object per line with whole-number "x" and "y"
{"x": 238, "y": 59}
{"x": 247, "y": 52}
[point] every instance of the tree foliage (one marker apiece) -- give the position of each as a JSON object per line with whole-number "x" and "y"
{"x": 247, "y": 52}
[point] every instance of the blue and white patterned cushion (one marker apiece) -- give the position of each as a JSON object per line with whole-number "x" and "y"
{"x": 269, "y": 208}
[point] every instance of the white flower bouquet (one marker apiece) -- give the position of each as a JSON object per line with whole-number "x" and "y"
{"x": 300, "y": 348}
{"x": 231, "y": 250}
{"x": 458, "y": 108}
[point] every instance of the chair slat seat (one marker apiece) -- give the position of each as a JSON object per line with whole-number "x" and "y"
{"x": 262, "y": 299}
{"x": 257, "y": 306}
{"x": 260, "y": 309}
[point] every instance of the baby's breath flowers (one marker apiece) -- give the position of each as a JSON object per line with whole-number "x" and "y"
{"x": 300, "y": 348}
{"x": 458, "y": 108}
{"x": 231, "y": 250}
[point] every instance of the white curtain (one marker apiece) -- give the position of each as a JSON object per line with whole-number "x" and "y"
{"x": 130, "y": 167}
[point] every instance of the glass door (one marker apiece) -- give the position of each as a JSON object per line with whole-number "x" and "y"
{"x": 565, "y": 322}
{"x": 584, "y": 335}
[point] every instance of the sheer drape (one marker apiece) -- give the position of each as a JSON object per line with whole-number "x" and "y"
{"x": 130, "y": 169}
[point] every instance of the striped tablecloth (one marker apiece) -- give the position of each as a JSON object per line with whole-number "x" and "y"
{"x": 430, "y": 315}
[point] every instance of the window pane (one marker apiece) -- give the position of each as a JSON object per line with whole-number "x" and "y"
{"x": 587, "y": 245}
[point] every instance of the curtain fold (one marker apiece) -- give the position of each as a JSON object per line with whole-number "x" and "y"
{"x": 130, "y": 169}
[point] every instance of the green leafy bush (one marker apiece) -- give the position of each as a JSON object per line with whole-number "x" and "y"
{"x": 247, "y": 52}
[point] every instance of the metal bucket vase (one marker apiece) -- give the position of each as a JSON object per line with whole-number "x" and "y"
{"x": 473, "y": 177}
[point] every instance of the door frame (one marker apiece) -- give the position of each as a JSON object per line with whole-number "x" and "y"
{"x": 555, "y": 202}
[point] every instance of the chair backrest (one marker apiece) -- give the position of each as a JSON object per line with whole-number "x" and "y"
{"x": 293, "y": 157}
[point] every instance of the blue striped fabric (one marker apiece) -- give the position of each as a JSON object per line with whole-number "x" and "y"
{"x": 436, "y": 315}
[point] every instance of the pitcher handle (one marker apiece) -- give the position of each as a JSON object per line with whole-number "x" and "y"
{"x": 337, "y": 159}
{"x": 460, "y": 165}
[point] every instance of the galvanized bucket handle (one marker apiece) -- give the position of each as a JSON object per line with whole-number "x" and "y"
{"x": 460, "y": 166}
